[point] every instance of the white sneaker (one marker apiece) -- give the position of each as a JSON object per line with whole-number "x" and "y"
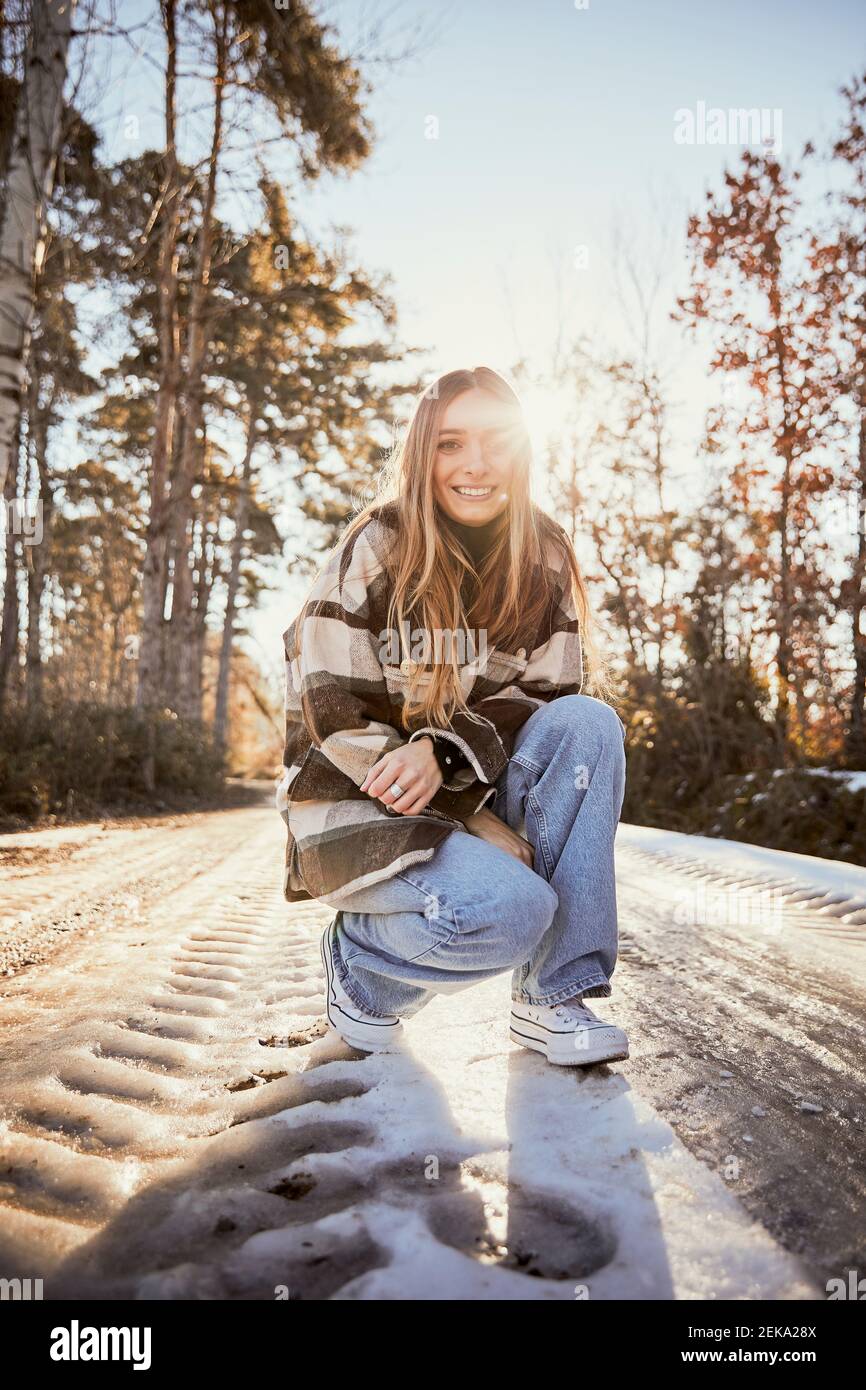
{"x": 569, "y": 1034}
{"x": 367, "y": 1032}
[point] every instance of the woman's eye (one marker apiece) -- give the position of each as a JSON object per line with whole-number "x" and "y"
{"x": 449, "y": 445}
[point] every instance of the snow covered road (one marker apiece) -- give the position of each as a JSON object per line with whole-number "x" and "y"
{"x": 174, "y": 1124}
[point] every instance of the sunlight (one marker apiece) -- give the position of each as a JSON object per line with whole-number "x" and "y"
{"x": 550, "y": 410}
{"x": 552, "y": 413}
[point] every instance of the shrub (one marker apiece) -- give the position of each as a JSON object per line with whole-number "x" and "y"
{"x": 706, "y": 762}
{"x": 793, "y": 809}
{"x": 86, "y": 757}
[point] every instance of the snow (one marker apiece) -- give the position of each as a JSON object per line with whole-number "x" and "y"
{"x": 169, "y": 1130}
{"x": 856, "y": 781}
{"x": 484, "y": 1153}
{"x": 811, "y": 910}
{"x": 834, "y": 877}
{"x": 584, "y": 1145}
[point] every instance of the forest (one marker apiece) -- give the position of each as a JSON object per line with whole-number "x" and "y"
{"x": 181, "y": 366}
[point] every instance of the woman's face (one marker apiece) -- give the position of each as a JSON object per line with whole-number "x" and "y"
{"x": 478, "y": 438}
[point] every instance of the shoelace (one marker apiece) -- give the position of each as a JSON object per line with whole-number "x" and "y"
{"x": 577, "y": 1009}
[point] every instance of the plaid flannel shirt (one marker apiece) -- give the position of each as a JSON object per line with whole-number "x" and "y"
{"x": 343, "y": 704}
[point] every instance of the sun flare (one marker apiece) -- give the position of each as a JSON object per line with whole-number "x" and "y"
{"x": 550, "y": 411}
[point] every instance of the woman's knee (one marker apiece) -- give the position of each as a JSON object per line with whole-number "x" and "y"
{"x": 525, "y": 907}
{"x": 579, "y": 713}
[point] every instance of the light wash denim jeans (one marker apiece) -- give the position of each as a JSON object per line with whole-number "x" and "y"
{"x": 474, "y": 910}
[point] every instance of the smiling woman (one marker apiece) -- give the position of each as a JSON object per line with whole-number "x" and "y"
{"x": 467, "y": 457}
{"x": 507, "y": 747}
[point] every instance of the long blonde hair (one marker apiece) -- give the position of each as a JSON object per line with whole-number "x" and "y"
{"x": 427, "y": 565}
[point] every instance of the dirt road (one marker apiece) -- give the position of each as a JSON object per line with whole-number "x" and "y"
{"x": 175, "y": 1124}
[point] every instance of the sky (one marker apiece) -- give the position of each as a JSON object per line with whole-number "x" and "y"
{"x": 520, "y": 142}
{"x": 554, "y": 123}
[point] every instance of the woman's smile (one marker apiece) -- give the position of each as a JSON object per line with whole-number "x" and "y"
{"x": 472, "y": 492}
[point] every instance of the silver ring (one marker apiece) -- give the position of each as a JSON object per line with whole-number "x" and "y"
{"x": 396, "y": 790}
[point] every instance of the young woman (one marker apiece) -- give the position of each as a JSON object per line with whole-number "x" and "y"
{"x": 447, "y": 786}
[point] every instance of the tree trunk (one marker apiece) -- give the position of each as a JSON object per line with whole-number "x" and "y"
{"x": 181, "y": 631}
{"x": 9, "y": 630}
{"x": 234, "y": 579}
{"x": 198, "y": 628}
{"x": 28, "y": 189}
{"x": 783, "y": 622}
{"x": 856, "y": 737}
{"x": 154, "y": 576}
{"x": 37, "y": 555}
{"x": 783, "y": 614}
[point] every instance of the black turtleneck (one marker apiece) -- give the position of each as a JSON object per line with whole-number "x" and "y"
{"x": 476, "y": 540}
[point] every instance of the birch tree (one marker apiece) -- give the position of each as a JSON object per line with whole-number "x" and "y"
{"x": 28, "y": 190}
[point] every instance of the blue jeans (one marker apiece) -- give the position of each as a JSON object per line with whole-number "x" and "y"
{"x": 473, "y": 910}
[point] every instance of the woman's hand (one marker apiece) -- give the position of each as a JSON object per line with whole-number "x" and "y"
{"x": 489, "y": 827}
{"x": 415, "y": 770}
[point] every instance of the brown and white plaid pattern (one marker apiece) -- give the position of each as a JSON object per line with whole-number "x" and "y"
{"x": 343, "y": 709}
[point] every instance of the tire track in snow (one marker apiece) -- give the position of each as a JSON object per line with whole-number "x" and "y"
{"x": 748, "y": 1031}
{"x": 175, "y": 1124}
{"x": 97, "y": 877}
